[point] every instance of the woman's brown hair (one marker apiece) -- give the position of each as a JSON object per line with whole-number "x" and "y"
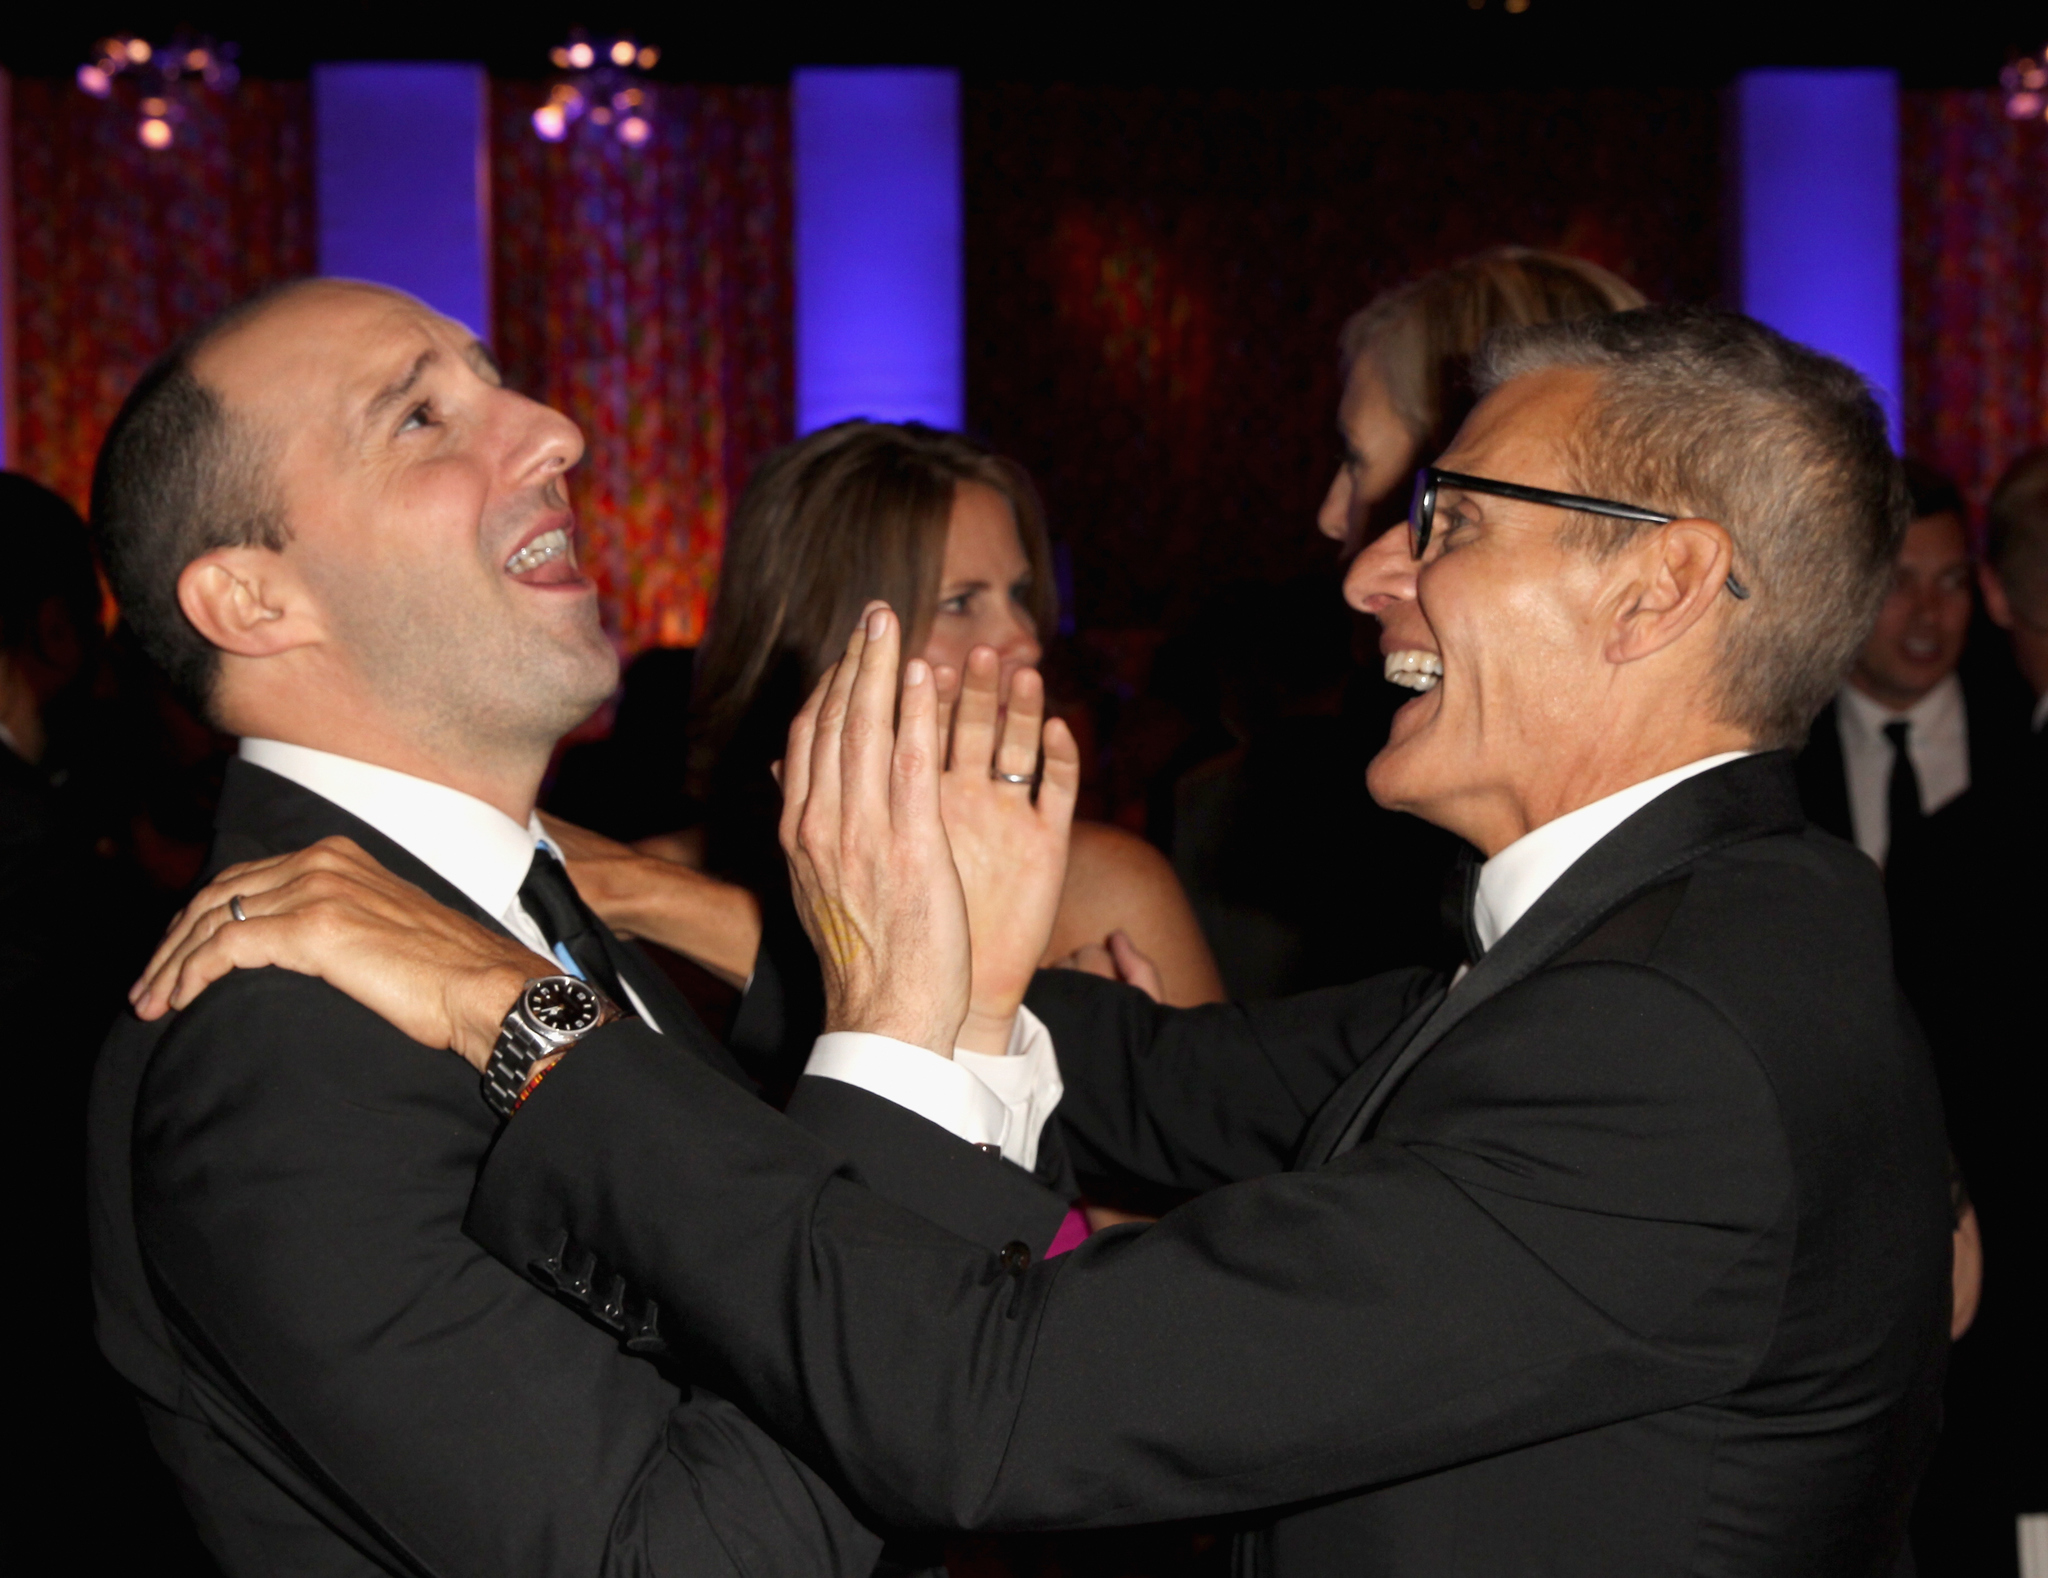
{"x": 852, "y": 513}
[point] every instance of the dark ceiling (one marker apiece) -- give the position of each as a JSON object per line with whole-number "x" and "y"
{"x": 1437, "y": 43}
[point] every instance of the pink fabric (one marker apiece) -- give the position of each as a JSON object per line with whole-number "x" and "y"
{"x": 1072, "y": 1231}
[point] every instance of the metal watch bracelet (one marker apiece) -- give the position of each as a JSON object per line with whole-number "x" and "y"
{"x": 551, "y": 1014}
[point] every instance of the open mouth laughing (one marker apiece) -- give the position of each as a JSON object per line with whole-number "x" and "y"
{"x": 548, "y": 558}
{"x": 1416, "y": 670}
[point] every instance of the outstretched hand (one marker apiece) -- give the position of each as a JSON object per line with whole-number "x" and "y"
{"x": 1008, "y": 814}
{"x": 331, "y": 911}
{"x": 868, "y": 855}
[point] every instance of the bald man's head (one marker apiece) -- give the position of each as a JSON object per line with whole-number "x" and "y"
{"x": 180, "y": 475}
{"x": 183, "y": 470}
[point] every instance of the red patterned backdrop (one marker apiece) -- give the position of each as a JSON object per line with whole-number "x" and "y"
{"x": 647, "y": 293}
{"x": 119, "y": 250}
{"x": 1156, "y": 279}
{"x": 1975, "y": 222}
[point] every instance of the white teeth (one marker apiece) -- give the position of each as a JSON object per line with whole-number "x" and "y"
{"x": 548, "y": 545}
{"x": 1417, "y": 670}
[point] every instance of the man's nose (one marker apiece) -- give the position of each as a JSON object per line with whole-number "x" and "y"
{"x": 547, "y": 444}
{"x": 1383, "y": 573}
{"x": 1333, "y": 520}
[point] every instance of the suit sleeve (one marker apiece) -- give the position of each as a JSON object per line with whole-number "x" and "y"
{"x": 913, "y": 1162}
{"x": 1528, "y": 1247}
{"x": 298, "y": 1192}
{"x": 1191, "y": 1098}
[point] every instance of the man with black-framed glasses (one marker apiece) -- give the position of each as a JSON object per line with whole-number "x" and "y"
{"x": 1624, "y": 1250}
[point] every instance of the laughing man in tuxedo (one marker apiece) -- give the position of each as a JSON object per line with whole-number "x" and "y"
{"x": 343, "y": 537}
{"x": 1622, "y": 1251}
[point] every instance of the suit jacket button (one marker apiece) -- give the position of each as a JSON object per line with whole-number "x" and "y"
{"x": 1015, "y": 1257}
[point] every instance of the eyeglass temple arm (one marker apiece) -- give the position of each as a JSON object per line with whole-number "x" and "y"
{"x": 1577, "y": 501}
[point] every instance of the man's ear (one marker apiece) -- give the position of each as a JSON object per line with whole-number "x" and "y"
{"x": 1676, "y": 573}
{"x": 245, "y": 601}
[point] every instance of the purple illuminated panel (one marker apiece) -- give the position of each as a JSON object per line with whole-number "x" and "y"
{"x": 403, "y": 188}
{"x": 880, "y": 325}
{"x": 1819, "y": 157}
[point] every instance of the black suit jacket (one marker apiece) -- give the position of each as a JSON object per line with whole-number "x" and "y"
{"x": 1628, "y": 1256}
{"x": 340, "y": 1381}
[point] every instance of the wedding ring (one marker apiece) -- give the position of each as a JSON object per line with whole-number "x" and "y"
{"x": 235, "y": 907}
{"x": 1014, "y": 778}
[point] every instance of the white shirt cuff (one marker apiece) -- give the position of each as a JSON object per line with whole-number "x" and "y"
{"x": 999, "y": 1101}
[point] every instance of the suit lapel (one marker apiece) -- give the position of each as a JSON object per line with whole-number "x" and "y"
{"x": 1746, "y": 799}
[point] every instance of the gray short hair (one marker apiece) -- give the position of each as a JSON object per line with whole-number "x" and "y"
{"x": 1707, "y": 413}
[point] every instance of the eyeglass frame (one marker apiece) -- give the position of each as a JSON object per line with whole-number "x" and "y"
{"x": 1422, "y": 508}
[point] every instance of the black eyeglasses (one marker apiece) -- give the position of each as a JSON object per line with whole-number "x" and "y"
{"x": 1422, "y": 508}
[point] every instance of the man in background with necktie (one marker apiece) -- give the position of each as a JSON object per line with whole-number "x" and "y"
{"x": 1910, "y": 730}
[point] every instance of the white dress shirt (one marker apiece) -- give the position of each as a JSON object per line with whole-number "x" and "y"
{"x": 485, "y": 855}
{"x": 1937, "y": 744}
{"x": 480, "y": 851}
{"x": 1511, "y": 882}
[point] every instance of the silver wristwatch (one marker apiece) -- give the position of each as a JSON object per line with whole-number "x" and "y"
{"x": 551, "y": 1014}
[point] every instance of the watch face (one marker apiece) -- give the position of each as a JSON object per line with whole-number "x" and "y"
{"x": 562, "y": 1004}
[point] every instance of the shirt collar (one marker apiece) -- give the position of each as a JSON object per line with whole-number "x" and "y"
{"x": 1938, "y": 707}
{"x": 478, "y": 849}
{"x": 1513, "y": 880}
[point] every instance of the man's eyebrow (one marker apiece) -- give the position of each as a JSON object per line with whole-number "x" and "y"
{"x": 479, "y": 357}
{"x": 399, "y": 387}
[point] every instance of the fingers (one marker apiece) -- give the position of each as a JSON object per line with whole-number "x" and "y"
{"x": 793, "y": 772}
{"x": 974, "y": 715}
{"x": 1017, "y": 753}
{"x": 823, "y": 793}
{"x": 1134, "y": 967}
{"x": 867, "y": 744}
{"x": 1091, "y": 959}
{"x": 914, "y": 775}
{"x": 1059, "y": 783}
{"x": 209, "y": 906}
{"x": 946, "y": 681}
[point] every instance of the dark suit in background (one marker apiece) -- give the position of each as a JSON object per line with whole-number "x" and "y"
{"x": 1630, "y": 1255}
{"x": 339, "y": 1380}
{"x": 1970, "y": 916}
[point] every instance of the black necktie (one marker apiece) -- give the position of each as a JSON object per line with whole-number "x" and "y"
{"x": 1902, "y": 798}
{"x": 567, "y": 923}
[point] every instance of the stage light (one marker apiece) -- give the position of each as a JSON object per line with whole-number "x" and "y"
{"x": 159, "y": 82}
{"x": 603, "y": 88}
{"x": 2026, "y": 87}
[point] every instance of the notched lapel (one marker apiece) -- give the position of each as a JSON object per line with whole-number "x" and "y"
{"x": 1754, "y": 797}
